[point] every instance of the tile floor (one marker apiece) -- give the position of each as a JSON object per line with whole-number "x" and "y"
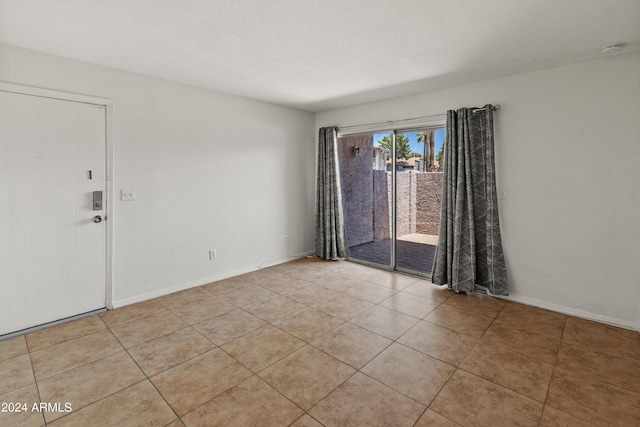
{"x": 312, "y": 343}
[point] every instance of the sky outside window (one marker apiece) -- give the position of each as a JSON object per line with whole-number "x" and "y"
{"x": 417, "y": 147}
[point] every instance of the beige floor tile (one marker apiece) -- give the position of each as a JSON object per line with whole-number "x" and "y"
{"x": 385, "y": 322}
{"x": 25, "y": 416}
{"x": 140, "y": 404}
{"x": 310, "y": 273}
{"x": 131, "y": 312}
{"x": 344, "y": 306}
{"x": 337, "y": 281}
{"x": 359, "y": 271}
{"x": 228, "y": 326}
{"x": 330, "y": 265}
{"x": 261, "y": 276}
{"x": 410, "y": 372}
{"x": 533, "y": 319}
{"x": 13, "y": 347}
{"x": 281, "y": 282}
{"x": 505, "y": 366}
{"x": 363, "y": 401}
{"x": 250, "y": 403}
{"x": 225, "y": 284}
{"x": 351, "y": 344}
{"x": 89, "y": 383}
{"x": 306, "y": 376}
{"x": 435, "y": 341}
{"x": 610, "y": 339}
{"x": 206, "y": 308}
{"x": 275, "y": 308}
{"x": 71, "y": 354}
{"x": 410, "y": 304}
{"x": 370, "y": 293}
{"x": 191, "y": 295}
{"x": 552, "y": 417}
{"x": 169, "y": 350}
{"x": 311, "y": 294}
{"x": 15, "y": 373}
{"x": 482, "y": 305}
{"x": 308, "y": 324}
{"x": 509, "y": 369}
{"x": 306, "y": 421}
{"x": 610, "y": 368}
{"x": 395, "y": 281}
{"x": 286, "y": 268}
{"x": 592, "y": 400}
{"x": 433, "y": 419}
{"x": 262, "y": 347}
{"x": 67, "y": 331}
{"x": 142, "y": 330}
{"x": 245, "y": 294}
{"x": 485, "y": 403}
{"x": 199, "y": 380}
{"x": 542, "y": 347}
{"x": 459, "y": 320}
{"x": 426, "y": 289}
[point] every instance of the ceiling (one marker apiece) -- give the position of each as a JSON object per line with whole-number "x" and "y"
{"x": 322, "y": 54}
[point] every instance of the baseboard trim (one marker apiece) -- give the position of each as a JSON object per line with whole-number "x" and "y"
{"x": 203, "y": 281}
{"x": 572, "y": 312}
{"x": 514, "y": 298}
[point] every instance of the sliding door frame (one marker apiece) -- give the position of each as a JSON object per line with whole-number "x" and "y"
{"x": 431, "y": 123}
{"x": 394, "y": 192}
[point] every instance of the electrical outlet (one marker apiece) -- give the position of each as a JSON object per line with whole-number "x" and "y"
{"x": 213, "y": 254}
{"x": 286, "y": 239}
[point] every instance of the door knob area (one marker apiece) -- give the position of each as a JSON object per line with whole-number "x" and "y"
{"x": 98, "y": 218}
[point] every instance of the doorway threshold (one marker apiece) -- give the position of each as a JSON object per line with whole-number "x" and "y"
{"x": 50, "y": 324}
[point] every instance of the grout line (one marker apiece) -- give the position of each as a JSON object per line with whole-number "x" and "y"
{"x": 35, "y": 379}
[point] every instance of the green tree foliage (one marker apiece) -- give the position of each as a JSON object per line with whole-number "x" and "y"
{"x": 403, "y": 148}
{"x": 439, "y": 156}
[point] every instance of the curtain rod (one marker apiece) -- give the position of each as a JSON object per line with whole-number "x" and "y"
{"x": 493, "y": 108}
{"x": 392, "y": 122}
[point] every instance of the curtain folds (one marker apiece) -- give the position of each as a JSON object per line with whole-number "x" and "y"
{"x": 469, "y": 250}
{"x": 330, "y": 235}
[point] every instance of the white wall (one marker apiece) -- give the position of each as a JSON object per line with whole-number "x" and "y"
{"x": 211, "y": 171}
{"x": 568, "y": 153}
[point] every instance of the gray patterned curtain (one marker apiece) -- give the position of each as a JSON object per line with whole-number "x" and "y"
{"x": 469, "y": 251}
{"x": 330, "y": 237}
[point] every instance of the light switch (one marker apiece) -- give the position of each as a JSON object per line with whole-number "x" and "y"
{"x": 127, "y": 195}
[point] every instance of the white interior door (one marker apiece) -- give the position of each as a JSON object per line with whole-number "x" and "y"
{"x": 52, "y": 253}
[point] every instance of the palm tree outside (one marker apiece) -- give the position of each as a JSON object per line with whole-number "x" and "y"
{"x": 428, "y": 139}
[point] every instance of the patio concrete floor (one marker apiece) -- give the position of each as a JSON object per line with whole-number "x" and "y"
{"x": 414, "y": 252}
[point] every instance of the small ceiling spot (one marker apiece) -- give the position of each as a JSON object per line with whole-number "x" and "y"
{"x": 612, "y": 48}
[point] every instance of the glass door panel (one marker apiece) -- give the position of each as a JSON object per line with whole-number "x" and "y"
{"x": 366, "y": 196}
{"x": 418, "y": 198}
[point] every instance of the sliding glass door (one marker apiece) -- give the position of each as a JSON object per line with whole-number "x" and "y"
{"x": 418, "y": 182}
{"x": 366, "y": 198}
{"x": 392, "y": 190}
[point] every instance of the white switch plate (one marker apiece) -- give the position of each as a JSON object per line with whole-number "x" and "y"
{"x": 127, "y": 195}
{"x": 502, "y": 194}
